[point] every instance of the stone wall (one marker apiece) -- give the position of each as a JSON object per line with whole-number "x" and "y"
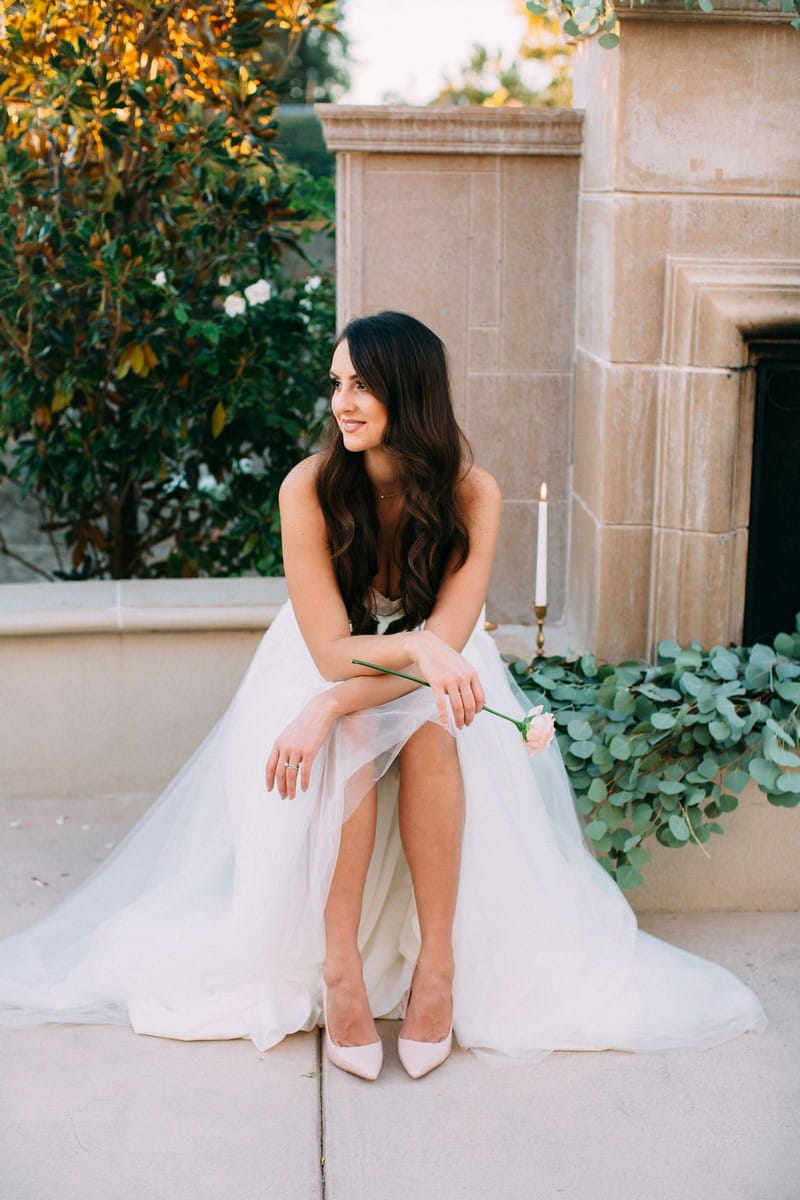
{"x": 689, "y": 248}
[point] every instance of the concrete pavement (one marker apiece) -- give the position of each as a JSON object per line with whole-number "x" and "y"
{"x": 97, "y": 1113}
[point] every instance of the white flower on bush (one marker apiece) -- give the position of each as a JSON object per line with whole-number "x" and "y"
{"x": 234, "y": 304}
{"x": 224, "y": 281}
{"x": 160, "y": 279}
{"x": 258, "y": 292}
{"x": 312, "y": 283}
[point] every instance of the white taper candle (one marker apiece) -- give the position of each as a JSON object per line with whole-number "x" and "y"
{"x": 540, "y": 593}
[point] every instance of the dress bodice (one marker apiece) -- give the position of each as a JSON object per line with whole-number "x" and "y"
{"x": 385, "y": 610}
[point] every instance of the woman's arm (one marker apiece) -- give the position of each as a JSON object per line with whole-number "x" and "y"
{"x": 322, "y": 616}
{"x": 432, "y": 653}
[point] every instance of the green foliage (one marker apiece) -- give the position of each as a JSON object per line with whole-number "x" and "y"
{"x": 663, "y": 750}
{"x": 596, "y": 18}
{"x": 163, "y": 340}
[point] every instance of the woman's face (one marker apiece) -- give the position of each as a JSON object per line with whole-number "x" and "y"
{"x": 361, "y": 417}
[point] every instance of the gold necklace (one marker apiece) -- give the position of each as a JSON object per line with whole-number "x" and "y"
{"x": 389, "y": 495}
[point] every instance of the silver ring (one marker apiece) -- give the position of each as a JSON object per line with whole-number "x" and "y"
{"x": 294, "y": 766}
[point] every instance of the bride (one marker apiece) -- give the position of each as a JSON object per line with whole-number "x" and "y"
{"x": 404, "y": 856}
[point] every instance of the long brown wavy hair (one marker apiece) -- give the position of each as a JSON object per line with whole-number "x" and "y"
{"x": 404, "y": 365}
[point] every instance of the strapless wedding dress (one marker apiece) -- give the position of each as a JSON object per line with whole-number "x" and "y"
{"x": 207, "y": 921}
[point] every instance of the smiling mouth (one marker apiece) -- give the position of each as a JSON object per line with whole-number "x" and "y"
{"x": 351, "y": 426}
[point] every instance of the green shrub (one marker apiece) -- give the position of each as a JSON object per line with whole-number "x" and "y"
{"x": 163, "y": 358}
{"x": 663, "y": 750}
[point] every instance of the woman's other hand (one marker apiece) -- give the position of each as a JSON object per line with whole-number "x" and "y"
{"x": 293, "y": 753}
{"x": 450, "y": 676}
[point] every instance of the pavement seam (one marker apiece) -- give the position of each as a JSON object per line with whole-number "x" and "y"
{"x": 323, "y": 1189}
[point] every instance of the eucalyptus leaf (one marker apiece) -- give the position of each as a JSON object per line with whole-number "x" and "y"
{"x": 579, "y": 729}
{"x": 789, "y": 690}
{"x": 628, "y": 877}
{"x": 725, "y": 664}
{"x": 597, "y": 791}
{"x": 785, "y": 645}
{"x": 765, "y": 773}
{"x": 582, "y": 750}
{"x": 780, "y": 731}
{"x": 619, "y": 748}
{"x": 736, "y": 780}
{"x": 678, "y": 828}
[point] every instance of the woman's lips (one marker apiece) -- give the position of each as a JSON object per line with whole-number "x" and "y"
{"x": 351, "y": 426}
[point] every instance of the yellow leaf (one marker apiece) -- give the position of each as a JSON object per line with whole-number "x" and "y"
{"x": 218, "y": 418}
{"x": 123, "y": 363}
{"x": 61, "y": 396}
{"x": 149, "y": 356}
{"x": 138, "y": 364}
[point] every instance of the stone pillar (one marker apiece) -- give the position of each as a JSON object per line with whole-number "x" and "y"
{"x": 689, "y": 248}
{"x": 465, "y": 218}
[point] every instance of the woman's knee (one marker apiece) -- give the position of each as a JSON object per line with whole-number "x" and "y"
{"x": 431, "y": 746}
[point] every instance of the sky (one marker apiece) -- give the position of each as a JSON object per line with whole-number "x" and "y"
{"x": 407, "y": 47}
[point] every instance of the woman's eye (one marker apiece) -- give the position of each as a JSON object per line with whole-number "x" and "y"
{"x": 336, "y": 383}
{"x": 361, "y": 387}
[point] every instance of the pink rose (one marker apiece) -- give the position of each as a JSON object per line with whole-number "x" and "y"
{"x": 538, "y": 729}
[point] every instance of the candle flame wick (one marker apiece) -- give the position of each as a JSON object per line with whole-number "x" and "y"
{"x": 543, "y": 492}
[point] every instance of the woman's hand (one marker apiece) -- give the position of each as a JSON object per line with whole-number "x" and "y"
{"x": 450, "y": 676}
{"x": 292, "y": 757}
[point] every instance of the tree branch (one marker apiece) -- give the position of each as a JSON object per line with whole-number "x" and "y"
{"x": 6, "y": 549}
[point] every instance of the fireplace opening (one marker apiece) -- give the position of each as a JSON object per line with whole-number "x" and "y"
{"x": 772, "y": 595}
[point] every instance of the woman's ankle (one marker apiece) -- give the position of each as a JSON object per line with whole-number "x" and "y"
{"x": 342, "y": 965}
{"x": 436, "y": 964}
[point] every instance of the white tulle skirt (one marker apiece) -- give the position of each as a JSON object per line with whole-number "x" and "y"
{"x": 207, "y": 921}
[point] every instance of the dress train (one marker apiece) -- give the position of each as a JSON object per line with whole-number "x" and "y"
{"x": 207, "y": 920}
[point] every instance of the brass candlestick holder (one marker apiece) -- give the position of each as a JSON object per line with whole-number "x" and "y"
{"x": 540, "y": 611}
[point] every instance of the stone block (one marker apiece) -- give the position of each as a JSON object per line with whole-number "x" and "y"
{"x": 484, "y": 245}
{"x": 413, "y": 236}
{"x": 595, "y": 273}
{"x": 519, "y": 427}
{"x": 538, "y": 263}
{"x": 615, "y": 440}
{"x": 623, "y": 591}
{"x": 699, "y": 450}
{"x": 667, "y": 112}
{"x": 752, "y": 867}
{"x": 687, "y": 124}
{"x": 584, "y": 573}
{"x": 483, "y": 350}
{"x": 94, "y": 720}
{"x": 693, "y": 585}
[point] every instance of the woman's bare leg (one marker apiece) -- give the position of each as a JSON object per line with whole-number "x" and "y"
{"x": 350, "y": 1021}
{"x": 431, "y": 827}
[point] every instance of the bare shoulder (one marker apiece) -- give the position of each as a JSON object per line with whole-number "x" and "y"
{"x": 300, "y": 485}
{"x": 479, "y": 491}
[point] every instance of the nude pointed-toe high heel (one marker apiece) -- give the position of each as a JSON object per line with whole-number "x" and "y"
{"x": 419, "y": 1058}
{"x": 363, "y": 1061}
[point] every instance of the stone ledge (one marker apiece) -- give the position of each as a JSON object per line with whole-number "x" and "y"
{"x": 725, "y": 11}
{"x": 139, "y": 606}
{"x": 452, "y": 129}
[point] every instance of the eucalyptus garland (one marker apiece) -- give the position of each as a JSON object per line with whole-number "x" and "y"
{"x": 664, "y": 749}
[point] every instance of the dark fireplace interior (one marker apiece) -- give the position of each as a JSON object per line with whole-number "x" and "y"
{"x": 773, "y": 559}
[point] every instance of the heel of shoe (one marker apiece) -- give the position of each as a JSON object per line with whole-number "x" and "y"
{"x": 420, "y": 1058}
{"x": 363, "y": 1061}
